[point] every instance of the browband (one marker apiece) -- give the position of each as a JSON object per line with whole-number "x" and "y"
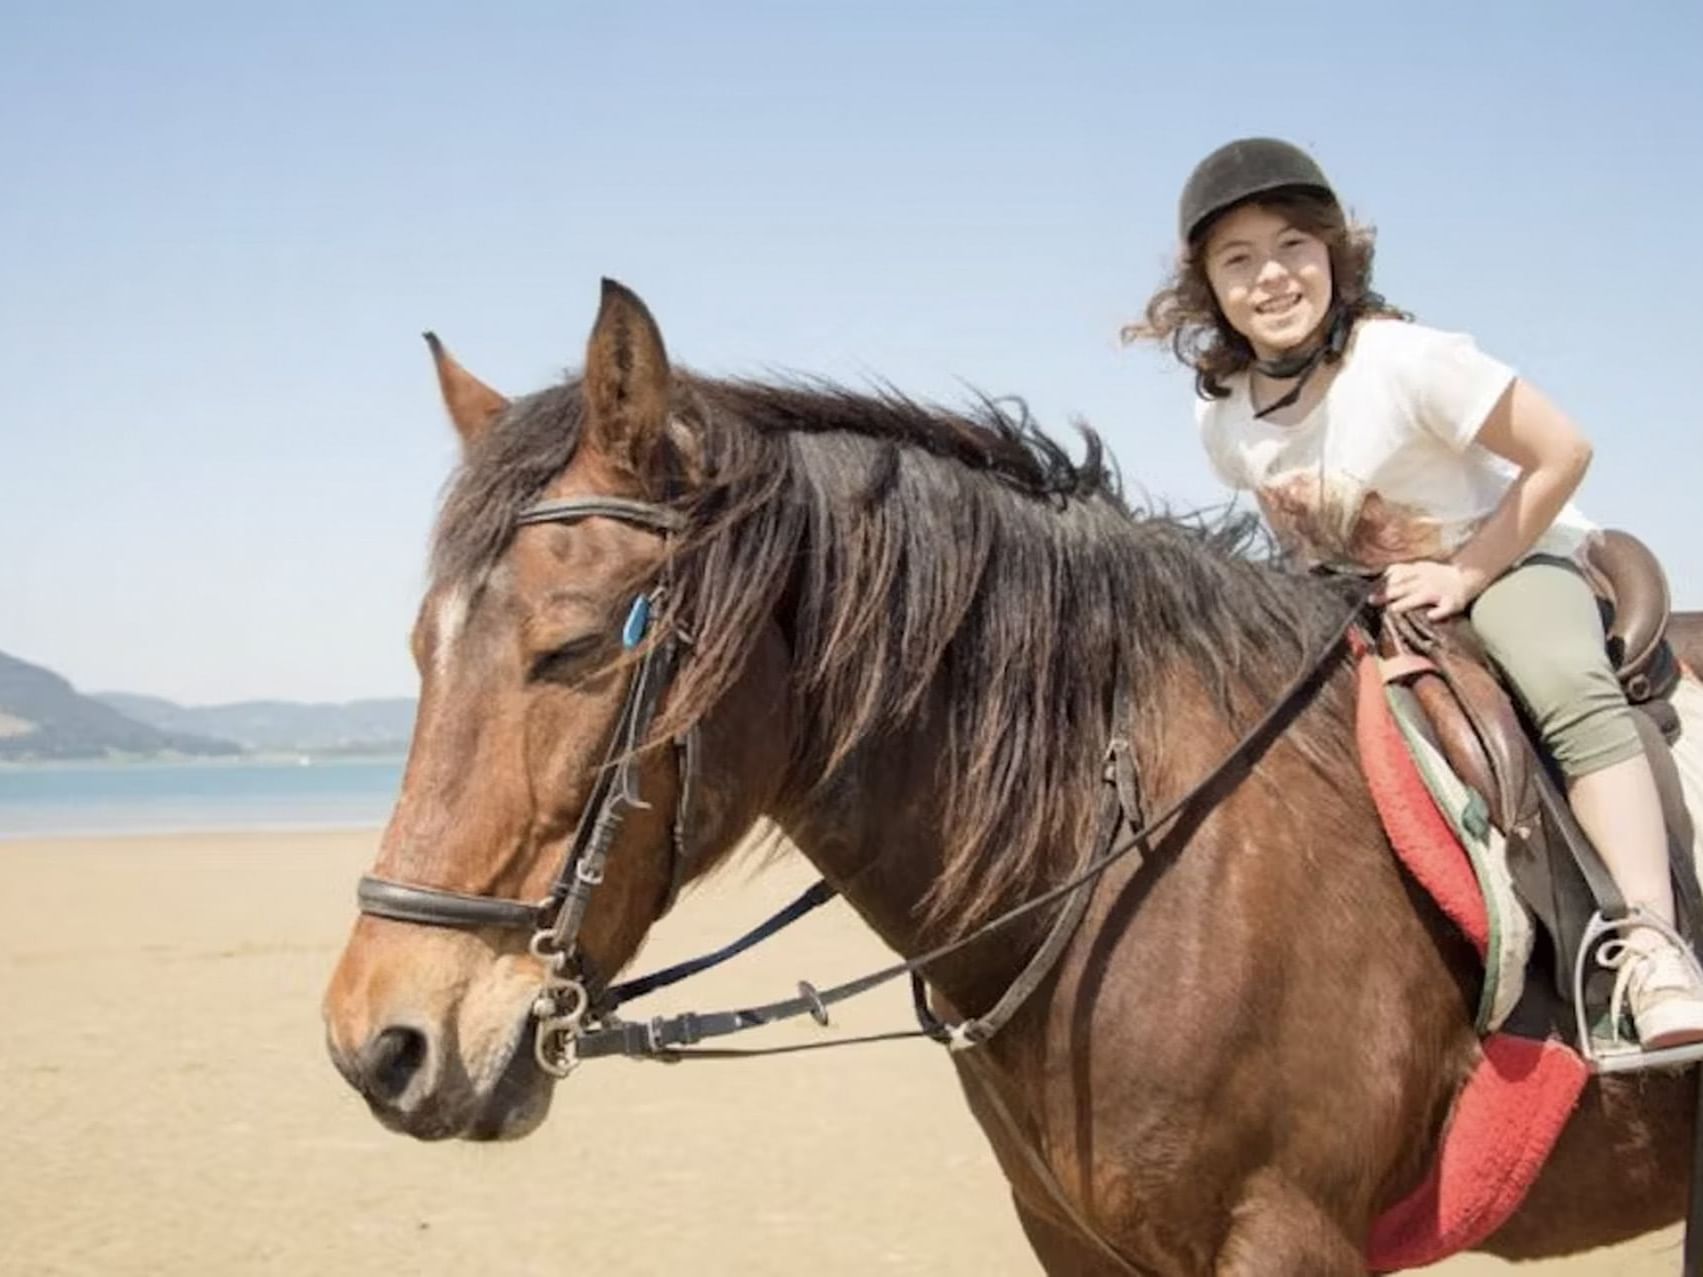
{"x": 570, "y": 508}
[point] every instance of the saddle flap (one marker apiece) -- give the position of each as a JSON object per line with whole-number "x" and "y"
{"x": 1475, "y": 724}
{"x": 1483, "y": 739}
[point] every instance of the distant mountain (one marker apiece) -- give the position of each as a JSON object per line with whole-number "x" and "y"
{"x": 43, "y": 716}
{"x": 354, "y": 727}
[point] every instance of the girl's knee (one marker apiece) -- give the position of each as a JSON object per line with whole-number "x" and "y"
{"x": 1582, "y": 718}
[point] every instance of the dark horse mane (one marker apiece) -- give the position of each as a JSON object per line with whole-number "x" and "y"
{"x": 924, "y": 560}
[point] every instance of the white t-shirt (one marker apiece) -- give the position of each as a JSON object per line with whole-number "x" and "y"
{"x": 1384, "y": 469}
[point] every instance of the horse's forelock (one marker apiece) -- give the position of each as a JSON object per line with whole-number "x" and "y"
{"x": 504, "y": 471}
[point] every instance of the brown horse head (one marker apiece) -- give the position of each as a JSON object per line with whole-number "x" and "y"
{"x": 523, "y": 675}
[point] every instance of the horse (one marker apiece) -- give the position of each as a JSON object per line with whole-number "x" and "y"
{"x": 906, "y": 636}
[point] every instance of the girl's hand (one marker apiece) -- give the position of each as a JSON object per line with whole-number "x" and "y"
{"x": 1443, "y": 589}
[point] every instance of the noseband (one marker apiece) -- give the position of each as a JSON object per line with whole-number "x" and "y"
{"x": 555, "y": 921}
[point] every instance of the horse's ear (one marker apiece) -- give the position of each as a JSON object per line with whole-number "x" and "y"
{"x": 627, "y": 381}
{"x": 473, "y": 406}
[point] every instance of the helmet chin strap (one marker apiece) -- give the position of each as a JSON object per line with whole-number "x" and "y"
{"x": 1300, "y": 365}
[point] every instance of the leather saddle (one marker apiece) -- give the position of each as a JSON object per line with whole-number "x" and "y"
{"x": 1480, "y": 731}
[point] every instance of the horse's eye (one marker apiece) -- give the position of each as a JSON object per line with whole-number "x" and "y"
{"x": 559, "y": 662}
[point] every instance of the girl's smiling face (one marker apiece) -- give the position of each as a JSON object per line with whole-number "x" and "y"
{"x": 1272, "y": 279}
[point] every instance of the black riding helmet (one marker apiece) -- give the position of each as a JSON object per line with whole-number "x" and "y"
{"x": 1234, "y": 174}
{"x": 1238, "y": 171}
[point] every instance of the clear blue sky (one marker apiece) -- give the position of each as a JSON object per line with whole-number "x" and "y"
{"x": 223, "y": 226}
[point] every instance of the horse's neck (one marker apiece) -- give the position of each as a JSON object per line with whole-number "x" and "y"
{"x": 877, "y": 836}
{"x": 874, "y": 834}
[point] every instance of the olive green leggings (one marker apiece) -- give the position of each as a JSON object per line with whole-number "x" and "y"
{"x": 1541, "y": 624}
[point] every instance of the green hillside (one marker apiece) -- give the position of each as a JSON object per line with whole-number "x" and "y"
{"x": 43, "y": 717}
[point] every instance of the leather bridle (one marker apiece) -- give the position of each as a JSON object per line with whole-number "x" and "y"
{"x": 574, "y": 1010}
{"x": 556, "y": 920}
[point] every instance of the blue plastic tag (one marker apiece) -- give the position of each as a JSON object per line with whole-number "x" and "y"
{"x": 638, "y": 621}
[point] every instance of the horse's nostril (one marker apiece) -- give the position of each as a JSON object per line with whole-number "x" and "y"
{"x": 392, "y": 1060}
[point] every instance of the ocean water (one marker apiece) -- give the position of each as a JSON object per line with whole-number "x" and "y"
{"x": 50, "y": 799}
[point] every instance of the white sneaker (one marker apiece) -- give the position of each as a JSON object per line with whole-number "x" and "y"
{"x": 1660, "y": 986}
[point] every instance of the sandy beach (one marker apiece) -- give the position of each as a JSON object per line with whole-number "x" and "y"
{"x": 167, "y": 1105}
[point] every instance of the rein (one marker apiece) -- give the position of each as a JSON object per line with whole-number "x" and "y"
{"x": 664, "y": 1038}
{"x": 573, "y": 1024}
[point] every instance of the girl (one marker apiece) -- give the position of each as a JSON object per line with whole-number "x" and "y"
{"x": 1376, "y": 444}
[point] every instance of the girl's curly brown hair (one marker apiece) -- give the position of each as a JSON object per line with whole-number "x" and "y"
{"x": 1185, "y": 313}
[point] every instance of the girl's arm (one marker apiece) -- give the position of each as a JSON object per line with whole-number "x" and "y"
{"x": 1526, "y": 429}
